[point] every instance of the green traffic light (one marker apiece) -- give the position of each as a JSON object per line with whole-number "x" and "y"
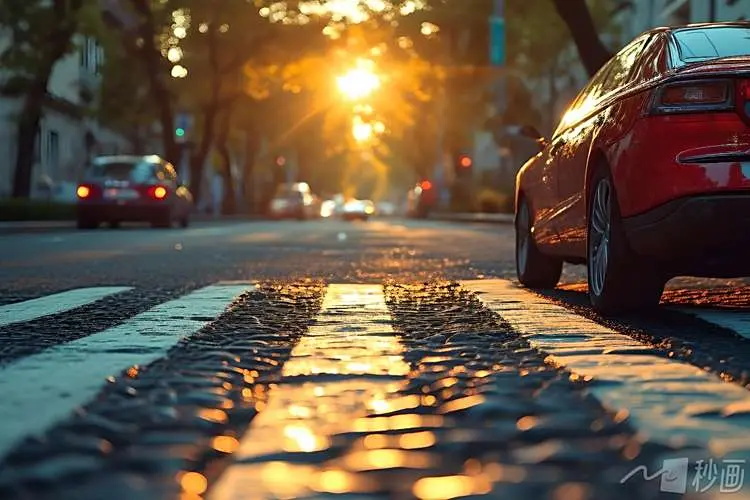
{"x": 180, "y": 132}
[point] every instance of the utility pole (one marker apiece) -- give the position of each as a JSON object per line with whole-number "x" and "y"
{"x": 712, "y": 11}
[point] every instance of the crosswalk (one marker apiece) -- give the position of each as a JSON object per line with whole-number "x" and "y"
{"x": 349, "y": 364}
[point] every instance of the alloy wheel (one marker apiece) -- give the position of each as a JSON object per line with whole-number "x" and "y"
{"x": 523, "y": 230}
{"x": 599, "y": 236}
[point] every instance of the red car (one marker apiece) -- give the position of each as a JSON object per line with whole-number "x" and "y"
{"x": 647, "y": 176}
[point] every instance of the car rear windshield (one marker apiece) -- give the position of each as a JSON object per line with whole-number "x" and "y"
{"x": 122, "y": 171}
{"x": 712, "y": 43}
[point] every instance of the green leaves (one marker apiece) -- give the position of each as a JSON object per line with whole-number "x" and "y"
{"x": 39, "y": 31}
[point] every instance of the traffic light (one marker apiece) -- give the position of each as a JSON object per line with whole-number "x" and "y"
{"x": 463, "y": 165}
{"x": 280, "y": 161}
{"x": 179, "y": 132}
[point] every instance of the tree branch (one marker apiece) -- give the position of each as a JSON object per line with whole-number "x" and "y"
{"x": 577, "y": 16}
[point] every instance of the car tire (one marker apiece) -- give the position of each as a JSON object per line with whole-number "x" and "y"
{"x": 618, "y": 281}
{"x": 86, "y": 223}
{"x": 533, "y": 268}
{"x": 162, "y": 220}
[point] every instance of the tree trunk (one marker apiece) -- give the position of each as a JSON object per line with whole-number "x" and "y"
{"x": 577, "y": 16}
{"x": 198, "y": 158}
{"x": 252, "y": 146}
{"x": 27, "y": 130}
{"x": 33, "y": 101}
{"x": 160, "y": 94}
{"x": 210, "y": 112}
{"x": 229, "y": 204}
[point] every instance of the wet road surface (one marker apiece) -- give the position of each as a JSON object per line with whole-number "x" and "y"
{"x": 388, "y": 359}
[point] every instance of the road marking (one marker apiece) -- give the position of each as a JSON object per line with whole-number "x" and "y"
{"x": 57, "y": 303}
{"x": 669, "y": 401}
{"x": 737, "y": 321}
{"x": 356, "y": 355}
{"x": 43, "y": 388}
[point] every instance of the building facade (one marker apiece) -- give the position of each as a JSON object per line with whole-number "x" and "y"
{"x": 67, "y": 136}
{"x": 637, "y": 16}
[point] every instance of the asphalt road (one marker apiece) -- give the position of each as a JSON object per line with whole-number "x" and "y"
{"x": 391, "y": 359}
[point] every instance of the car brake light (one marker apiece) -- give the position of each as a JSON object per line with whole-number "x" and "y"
{"x": 83, "y": 192}
{"x": 426, "y": 185}
{"x": 158, "y": 192}
{"x": 694, "y": 96}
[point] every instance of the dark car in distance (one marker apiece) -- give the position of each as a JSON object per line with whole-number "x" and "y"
{"x": 117, "y": 189}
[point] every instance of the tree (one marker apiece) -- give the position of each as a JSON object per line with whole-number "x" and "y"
{"x": 124, "y": 100}
{"x": 42, "y": 33}
{"x": 152, "y": 23}
{"x": 578, "y": 18}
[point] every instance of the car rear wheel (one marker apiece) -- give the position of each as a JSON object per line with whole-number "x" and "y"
{"x": 533, "y": 268}
{"x": 618, "y": 281}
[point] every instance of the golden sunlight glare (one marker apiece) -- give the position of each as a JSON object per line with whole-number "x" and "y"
{"x": 358, "y": 83}
{"x": 361, "y": 131}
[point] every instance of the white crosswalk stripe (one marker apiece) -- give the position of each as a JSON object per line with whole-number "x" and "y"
{"x": 653, "y": 389}
{"x": 669, "y": 401}
{"x": 62, "y": 302}
{"x": 737, "y": 321}
{"x": 353, "y": 339}
{"x": 40, "y": 389}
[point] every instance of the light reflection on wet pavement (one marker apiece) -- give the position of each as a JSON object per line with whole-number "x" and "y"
{"x": 336, "y": 373}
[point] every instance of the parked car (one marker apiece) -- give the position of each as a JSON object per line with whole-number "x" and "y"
{"x": 295, "y": 201}
{"x": 647, "y": 176}
{"x": 115, "y": 189}
{"x": 420, "y": 200}
{"x": 358, "y": 210}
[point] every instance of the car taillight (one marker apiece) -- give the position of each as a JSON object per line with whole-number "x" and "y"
{"x": 83, "y": 192}
{"x": 694, "y": 96}
{"x": 158, "y": 192}
{"x": 426, "y": 185}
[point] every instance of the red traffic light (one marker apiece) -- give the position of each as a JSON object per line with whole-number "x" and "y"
{"x": 426, "y": 185}
{"x": 465, "y": 161}
{"x": 280, "y": 161}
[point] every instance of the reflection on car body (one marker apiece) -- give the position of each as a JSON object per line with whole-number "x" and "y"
{"x": 132, "y": 188}
{"x": 645, "y": 177}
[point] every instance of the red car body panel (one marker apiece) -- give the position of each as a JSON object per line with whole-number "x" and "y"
{"x": 654, "y": 159}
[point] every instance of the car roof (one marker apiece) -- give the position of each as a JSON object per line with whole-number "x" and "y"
{"x": 105, "y": 160}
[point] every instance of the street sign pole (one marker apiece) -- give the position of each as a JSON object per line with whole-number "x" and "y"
{"x": 497, "y": 58}
{"x": 183, "y": 123}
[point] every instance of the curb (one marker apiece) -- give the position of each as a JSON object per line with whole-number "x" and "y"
{"x": 481, "y": 217}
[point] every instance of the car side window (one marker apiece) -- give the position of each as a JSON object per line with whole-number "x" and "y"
{"x": 652, "y": 61}
{"x": 622, "y": 65}
{"x": 585, "y": 101}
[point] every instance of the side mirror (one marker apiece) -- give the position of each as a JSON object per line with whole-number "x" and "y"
{"x": 532, "y": 132}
